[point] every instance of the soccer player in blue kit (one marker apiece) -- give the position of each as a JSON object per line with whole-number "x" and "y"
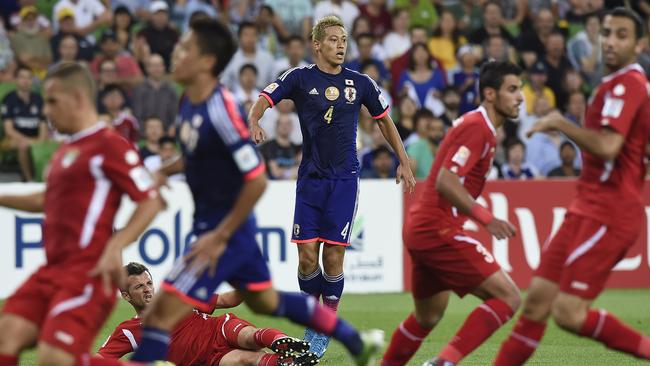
{"x": 225, "y": 173}
{"x": 328, "y": 98}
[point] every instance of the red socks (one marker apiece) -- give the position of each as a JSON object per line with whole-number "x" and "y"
{"x": 479, "y": 326}
{"x": 606, "y": 328}
{"x": 265, "y": 336}
{"x": 269, "y": 359}
{"x": 522, "y": 342}
{"x": 6, "y": 360}
{"x": 405, "y": 342}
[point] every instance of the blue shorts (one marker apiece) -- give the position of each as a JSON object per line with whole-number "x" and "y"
{"x": 241, "y": 265}
{"x": 325, "y": 210}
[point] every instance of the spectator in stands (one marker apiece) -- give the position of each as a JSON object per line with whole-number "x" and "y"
{"x": 156, "y": 96}
{"x": 423, "y": 80}
{"x": 68, "y": 50}
{"x": 248, "y": 53}
{"x": 158, "y": 36}
{"x": 466, "y": 79}
{"x": 557, "y": 66}
{"x": 365, "y": 43}
{"x": 128, "y": 74}
{"x": 186, "y": 9}
{"x": 371, "y": 69}
{"x": 584, "y": 51}
{"x": 515, "y": 167}
{"x": 89, "y": 15}
{"x": 282, "y": 157}
{"x": 446, "y": 40}
{"x": 139, "y": 8}
{"x": 295, "y": 14}
{"x": 346, "y": 10}
{"x": 154, "y": 130}
{"x": 270, "y": 119}
{"x": 382, "y": 166}
{"x": 30, "y": 44}
{"x": 492, "y": 25}
{"x": 246, "y": 93}
{"x": 123, "y": 23}
{"x": 542, "y": 148}
{"x": 567, "y": 155}
{"x": 67, "y": 27}
{"x": 422, "y": 152}
{"x": 113, "y": 100}
{"x": 360, "y": 26}
{"x": 240, "y": 11}
{"x": 366, "y": 154}
{"x": 167, "y": 152}
{"x": 576, "y": 108}
{"x": 422, "y": 13}
{"x": 497, "y": 48}
{"x": 6, "y": 54}
{"x": 23, "y": 120}
{"x": 398, "y": 39}
{"x": 294, "y": 56}
{"x": 42, "y": 22}
{"x": 377, "y": 13}
{"x": 536, "y": 87}
{"x": 270, "y": 31}
{"x": 451, "y": 100}
{"x": 401, "y": 63}
{"x": 107, "y": 75}
{"x": 405, "y": 121}
{"x": 531, "y": 41}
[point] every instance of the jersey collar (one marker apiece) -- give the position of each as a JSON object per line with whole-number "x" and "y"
{"x": 634, "y": 66}
{"x": 487, "y": 119}
{"x": 87, "y": 132}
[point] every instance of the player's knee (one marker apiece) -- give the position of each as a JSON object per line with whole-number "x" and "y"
{"x": 307, "y": 262}
{"x": 13, "y": 338}
{"x": 513, "y": 299}
{"x": 566, "y": 315}
{"x": 537, "y": 307}
{"x": 428, "y": 320}
{"x": 50, "y": 356}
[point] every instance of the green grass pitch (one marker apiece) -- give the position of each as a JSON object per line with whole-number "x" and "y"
{"x": 387, "y": 310}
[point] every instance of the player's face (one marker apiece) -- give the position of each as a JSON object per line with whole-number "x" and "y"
{"x": 184, "y": 59}
{"x": 509, "y": 97}
{"x": 333, "y": 46}
{"x": 140, "y": 290}
{"x": 619, "y": 42}
{"x": 58, "y": 106}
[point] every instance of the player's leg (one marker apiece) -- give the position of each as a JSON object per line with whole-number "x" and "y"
{"x": 410, "y": 334}
{"x": 310, "y": 278}
{"x": 305, "y": 310}
{"x": 529, "y": 329}
{"x": 17, "y": 335}
{"x": 49, "y": 355}
{"x": 243, "y": 335}
{"x": 333, "y": 283}
{"x": 256, "y": 358}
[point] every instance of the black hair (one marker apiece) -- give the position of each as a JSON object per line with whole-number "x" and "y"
{"x": 450, "y": 89}
{"x": 631, "y": 15}
{"x": 113, "y": 88}
{"x": 366, "y": 64}
{"x": 268, "y": 8}
{"x": 492, "y": 75}
{"x": 22, "y": 67}
{"x": 381, "y": 149}
{"x": 565, "y": 144}
{"x": 411, "y": 65}
{"x": 166, "y": 140}
{"x": 214, "y": 39}
{"x": 243, "y": 25}
{"x": 248, "y": 66}
{"x": 294, "y": 37}
{"x": 135, "y": 269}
{"x": 420, "y": 114}
{"x": 365, "y": 35}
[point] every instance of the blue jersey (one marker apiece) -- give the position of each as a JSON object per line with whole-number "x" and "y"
{"x": 219, "y": 155}
{"x": 328, "y": 107}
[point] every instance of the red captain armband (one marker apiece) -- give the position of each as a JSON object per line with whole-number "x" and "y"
{"x": 481, "y": 214}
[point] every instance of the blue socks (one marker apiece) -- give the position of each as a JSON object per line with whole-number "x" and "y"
{"x": 311, "y": 284}
{"x": 332, "y": 290}
{"x": 153, "y": 345}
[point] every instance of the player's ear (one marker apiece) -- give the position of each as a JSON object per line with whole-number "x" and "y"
{"x": 125, "y": 295}
{"x": 490, "y": 94}
{"x": 208, "y": 62}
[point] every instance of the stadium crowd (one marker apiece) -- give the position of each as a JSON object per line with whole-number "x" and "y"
{"x": 423, "y": 54}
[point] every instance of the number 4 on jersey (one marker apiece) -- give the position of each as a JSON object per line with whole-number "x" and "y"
{"x": 328, "y": 115}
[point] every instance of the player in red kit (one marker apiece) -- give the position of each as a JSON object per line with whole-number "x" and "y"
{"x": 445, "y": 258}
{"x": 201, "y": 339}
{"x": 63, "y": 305}
{"x": 605, "y": 217}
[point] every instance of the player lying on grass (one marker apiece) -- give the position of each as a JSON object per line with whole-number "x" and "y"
{"x": 201, "y": 339}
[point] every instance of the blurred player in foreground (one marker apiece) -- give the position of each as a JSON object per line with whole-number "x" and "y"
{"x": 226, "y": 175}
{"x": 200, "y": 339}
{"x": 445, "y": 258}
{"x": 328, "y": 98}
{"x": 62, "y": 306}
{"x": 605, "y": 218}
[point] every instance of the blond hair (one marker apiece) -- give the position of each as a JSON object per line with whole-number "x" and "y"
{"x": 318, "y": 31}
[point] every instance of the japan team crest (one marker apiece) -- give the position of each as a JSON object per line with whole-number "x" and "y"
{"x": 332, "y": 93}
{"x": 350, "y": 94}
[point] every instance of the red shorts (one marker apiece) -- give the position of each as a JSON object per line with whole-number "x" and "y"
{"x": 69, "y": 309}
{"x": 228, "y": 328}
{"x": 582, "y": 254}
{"x": 447, "y": 261}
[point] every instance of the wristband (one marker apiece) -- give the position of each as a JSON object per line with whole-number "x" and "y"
{"x": 481, "y": 214}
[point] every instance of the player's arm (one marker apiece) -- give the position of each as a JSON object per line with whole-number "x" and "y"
{"x": 258, "y": 135}
{"x": 33, "y": 202}
{"x": 281, "y": 88}
{"x": 605, "y": 143}
{"x": 388, "y": 129}
{"x": 116, "y": 346}
{"x": 228, "y": 300}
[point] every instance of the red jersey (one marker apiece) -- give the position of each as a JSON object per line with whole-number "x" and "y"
{"x": 610, "y": 191}
{"x": 467, "y": 151}
{"x": 192, "y": 342}
{"x": 127, "y": 126}
{"x": 85, "y": 182}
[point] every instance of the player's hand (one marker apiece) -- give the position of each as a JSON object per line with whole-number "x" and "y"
{"x": 110, "y": 268}
{"x": 206, "y": 251}
{"x": 405, "y": 174}
{"x": 257, "y": 133}
{"x": 501, "y": 229}
{"x": 547, "y": 123}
